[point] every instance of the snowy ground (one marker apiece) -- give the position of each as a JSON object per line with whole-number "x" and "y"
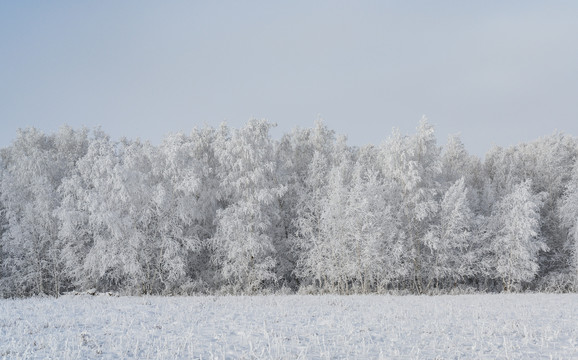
{"x": 289, "y": 327}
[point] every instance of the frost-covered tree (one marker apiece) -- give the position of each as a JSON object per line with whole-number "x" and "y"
{"x": 331, "y": 255}
{"x": 456, "y": 164}
{"x": 455, "y": 161}
{"x": 375, "y": 254}
{"x": 515, "y": 241}
{"x": 548, "y": 163}
{"x": 161, "y": 243}
{"x": 134, "y": 230}
{"x": 190, "y": 194}
{"x": 450, "y": 242}
{"x": 120, "y": 223}
{"x": 35, "y": 165}
{"x": 236, "y": 210}
{"x": 244, "y": 242}
{"x": 92, "y": 229}
{"x": 413, "y": 165}
{"x": 3, "y": 224}
{"x": 551, "y": 162}
{"x": 569, "y": 216}
{"x": 312, "y": 163}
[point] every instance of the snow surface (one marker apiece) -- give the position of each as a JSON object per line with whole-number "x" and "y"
{"x": 290, "y": 327}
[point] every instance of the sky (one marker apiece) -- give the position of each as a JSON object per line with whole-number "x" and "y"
{"x": 495, "y": 72}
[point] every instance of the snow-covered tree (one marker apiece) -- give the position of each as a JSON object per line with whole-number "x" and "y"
{"x": 312, "y": 163}
{"x": 332, "y": 257}
{"x": 451, "y": 239}
{"x": 375, "y": 256}
{"x": 455, "y": 161}
{"x": 236, "y": 210}
{"x": 91, "y": 230}
{"x": 244, "y": 242}
{"x": 413, "y": 165}
{"x": 457, "y": 164}
{"x": 35, "y": 165}
{"x": 548, "y": 163}
{"x": 3, "y": 224}
{"x": 569, "y": 216}
{"x": 161, "y": 243}
{"x": 119, "y": 220}
{"x": 190, "y": 198}
{"x": 515, "y": 240}
{"x": 551, "y": 160}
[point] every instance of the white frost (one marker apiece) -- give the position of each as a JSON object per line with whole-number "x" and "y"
{"x": 291, "y": 327}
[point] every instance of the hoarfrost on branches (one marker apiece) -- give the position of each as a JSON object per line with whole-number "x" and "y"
{"x": 236, "y": 211}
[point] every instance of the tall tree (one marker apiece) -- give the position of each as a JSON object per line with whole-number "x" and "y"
{"x": 450, "y": 241}
{"x": 312, "y": 161}
{"x": 332, "y": 255}
{"x": 92, "y": 229}
{"x": 191, "y": 197}
{"x": 548, "y": 163}
{"x": 35, "y": 166}
{"x": 456, "y": 164}
{"x": 375, "y": 257}
{"x": 244, "y": 242}
{"x": 413, "y": 165}
{"x": 569, "y": 216}
{"x": 516, "y": 240}
{"x": 3, "y": 224}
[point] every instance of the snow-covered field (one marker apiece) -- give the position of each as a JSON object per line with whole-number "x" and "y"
{"x": 289, "y": 327}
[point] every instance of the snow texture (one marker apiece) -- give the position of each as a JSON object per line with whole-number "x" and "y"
{"x": 506, "y": 326}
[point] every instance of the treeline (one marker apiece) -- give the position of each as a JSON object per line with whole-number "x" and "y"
{"x": 235, "y": 211}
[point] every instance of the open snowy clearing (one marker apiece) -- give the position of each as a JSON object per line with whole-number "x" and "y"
{"x": 288, "y": 327}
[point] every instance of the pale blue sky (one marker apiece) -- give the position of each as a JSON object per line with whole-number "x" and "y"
{"x": 498, "y": 72}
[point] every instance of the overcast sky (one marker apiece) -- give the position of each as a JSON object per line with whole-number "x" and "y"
{"x": 497, "y": 72}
